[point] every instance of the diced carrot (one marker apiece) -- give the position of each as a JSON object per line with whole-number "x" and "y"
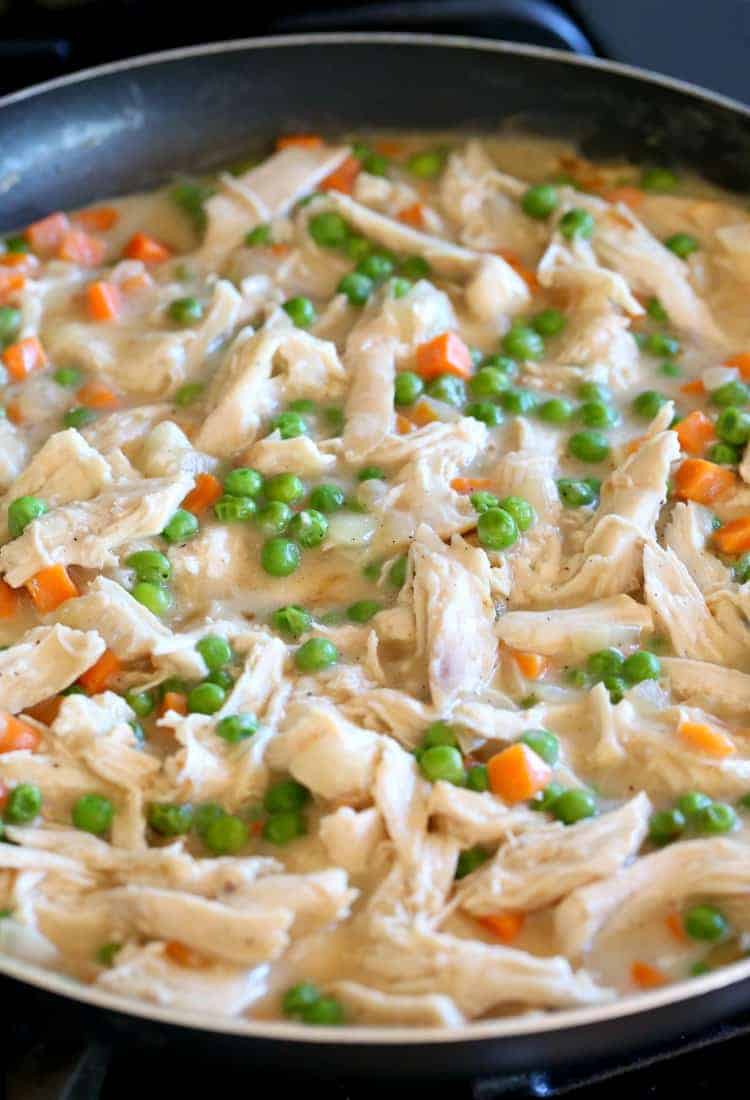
{"x": 97, "y": 219}
{"x": 695, "y": 432}
{"x": 46, "y": 711}
{"x": 9, "y": 601}
{"x": 134, "y": 283}
{"x": 505, "y": 926}
{"x": 403, "y": 424}
{"x": 14, "y": 411}
{"x": 741, "y": 361}
{"x": 145, "y": 248}
{"x": 695, "y": 388}
{"x": 702, "y": 481}
{"x": 444, "y": 354}
{"x": 256, "y": 828}
{"x": 46, "y": 234}
{"x": 412, "y": 215}
{"x": 342, "y": 178}
{"x": 101, "y": 674}
{"x": 389, "y": 147}
{"x": 647, "y": 976}
{"x": 24, "y": 357}
{"x": 471, "y": 484}
{"x": 299, "y": 141}
{"x": 50, "y": 587}
{"x": 280, "y": 248}
{"x": 422, "y": 414}
{"x": 79, "y": 247}
{"x": 712, "y": 742}
{"x": 174, "y": 700}
{"x": 95, "y": 395}
{"x": 103, "y": 301}
{"x": 183, "y": 955}
{"x": 23, "y": 263}
{"x": 512, "y": 260}
{"x": 11, "y": 283}
{"x": 734, "y": 537}
{"x": 630, "y": 196}
{"x": 16, "y": 735}
{"x": 517, "y": 773}
{"x": 673, "y": 922}
{"x": 206, "y": 492}
{"x": 531, "y": 665}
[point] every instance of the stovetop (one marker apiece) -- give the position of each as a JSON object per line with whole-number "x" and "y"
{"x": 46, "y": 1054}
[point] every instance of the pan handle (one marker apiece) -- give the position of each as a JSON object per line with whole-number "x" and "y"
{"x": 539, "y": 22}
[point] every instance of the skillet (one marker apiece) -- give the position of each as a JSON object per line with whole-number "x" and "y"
{"x": 134, "y": 124}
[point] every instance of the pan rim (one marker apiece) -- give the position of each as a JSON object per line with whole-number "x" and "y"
{"x": 478, "y": 1032}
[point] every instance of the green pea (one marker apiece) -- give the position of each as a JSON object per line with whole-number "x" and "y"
{"x": 704, "y": 922}
{"x": 181, "y": 527}
{"x": 485, "y": 411}
{"x": 575, "y": 493}
{"x": 504, "y": 364}
{"x": 550, "y": 322}
{"x": 731, "y": 393}
{"x": 593, "y": 391}
{"x": 371, "y": 473}
{"x": 443, "y": 762}
{"x": 577, "y": 678}
{"x": 573, "y": 806}
{"x": 289, "y": 425}
{"x": 640, "y": 666}
{"x": 699, "y": 968}
{"x": 22, "y": 511}
{"x": 665, "y": 826}
{"x": 188, "y": 394}
{"x": 469, "y": 860}
{"x": 616, "y": 687}
{"x": 206, "y": 698}
{"x": 142, "y": 702}
{"x": 741, "y": 569}
{"x": 287, "y": 488}
{"x": 205, "y": 815}
{"x": 356, "y": 248}
{"x": 327, "y": 498}
{"x": 715, "y": 819}
{"x": 733, "y": 426}
{"x": 659, "y": 180}
{"x": 377, "y": 266}
{"x": 671, "y": 370}
{"x": 544, "y": 801}
{"x": 223, "y": 677}
{"x": 107, "y": 953}
{"x": 316, "y": 654}
{"x": 376, "y": 164}
{"x": 299, "y": 998}
{"x": 154, "y": 597}
{"x": 282, "y": 828}
{"x": 258, "y": 236}
{"x": 439, "y": 733}
{"x": 174, "y": 685}
{"x": 521, "y": 511}
{"x": 660, "y": 343}
{"x": 227, "y": 835}
{"x": 362, "y": 611}
{"x": 556, "y": 410}
{"x": 301, "y": 310}
{"x": 150, "y": 565}
{"x": 482, "y": 501}
{"x": 93, "y": 813}
{"x": 447, "y": 388}
{"x": 427, "y": 164}
{"x": 215, "y": 651}
{"x": 407, "y": 388}
{"x": 228, "y": 509}
{"x": 356, "y": 287}
{"x": 397, "y": 572}
{"x": 489, "y": 382}
{"x": 190, "y": 197}
{"x": 10, "y": 323}
{"x": 543, "y": 743}
{"x": 477, "y": 778}
{"x": 244, "y": 482}
{"x": 185, "y": 311}
{"x": 648, "y": 403}
{"x": 17, "y": 244}
{"x": 334, "y": 418}
{"x": 605, "y": 662}
{"x": 68, "y": 377}
{"x": 78, "y": 417}
{"x": 274, "y": 518}
{"x": 280, "y": 557}
{"x": 308, "y": 528}
{"x": 539, "y": 201}
{"x": 518, "y": 402}
{"x": 328, "y": 229}
{"x": 598, "y": 414}
{"x": 23, "y": 804}
{"x": 284, "y": 796}
{"x": 656, "y": 311}
{"x": 589, "y": 446}
{"x": 170, "y": 818}
{"x": 576, "y": 224}
{"x": 724, "y": 454}
{"x": 682, "y": 244}
{"x": 691, "y": 803}
{"x": 523, "y": 342}
{"x": 400, "y": 287}
{"x": 325, "y": 1012}
{"x": 415, "y": 268}
{"x": 496, "y": 529}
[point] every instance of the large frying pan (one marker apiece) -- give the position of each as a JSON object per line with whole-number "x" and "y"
{"x": 134, "y": 124}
